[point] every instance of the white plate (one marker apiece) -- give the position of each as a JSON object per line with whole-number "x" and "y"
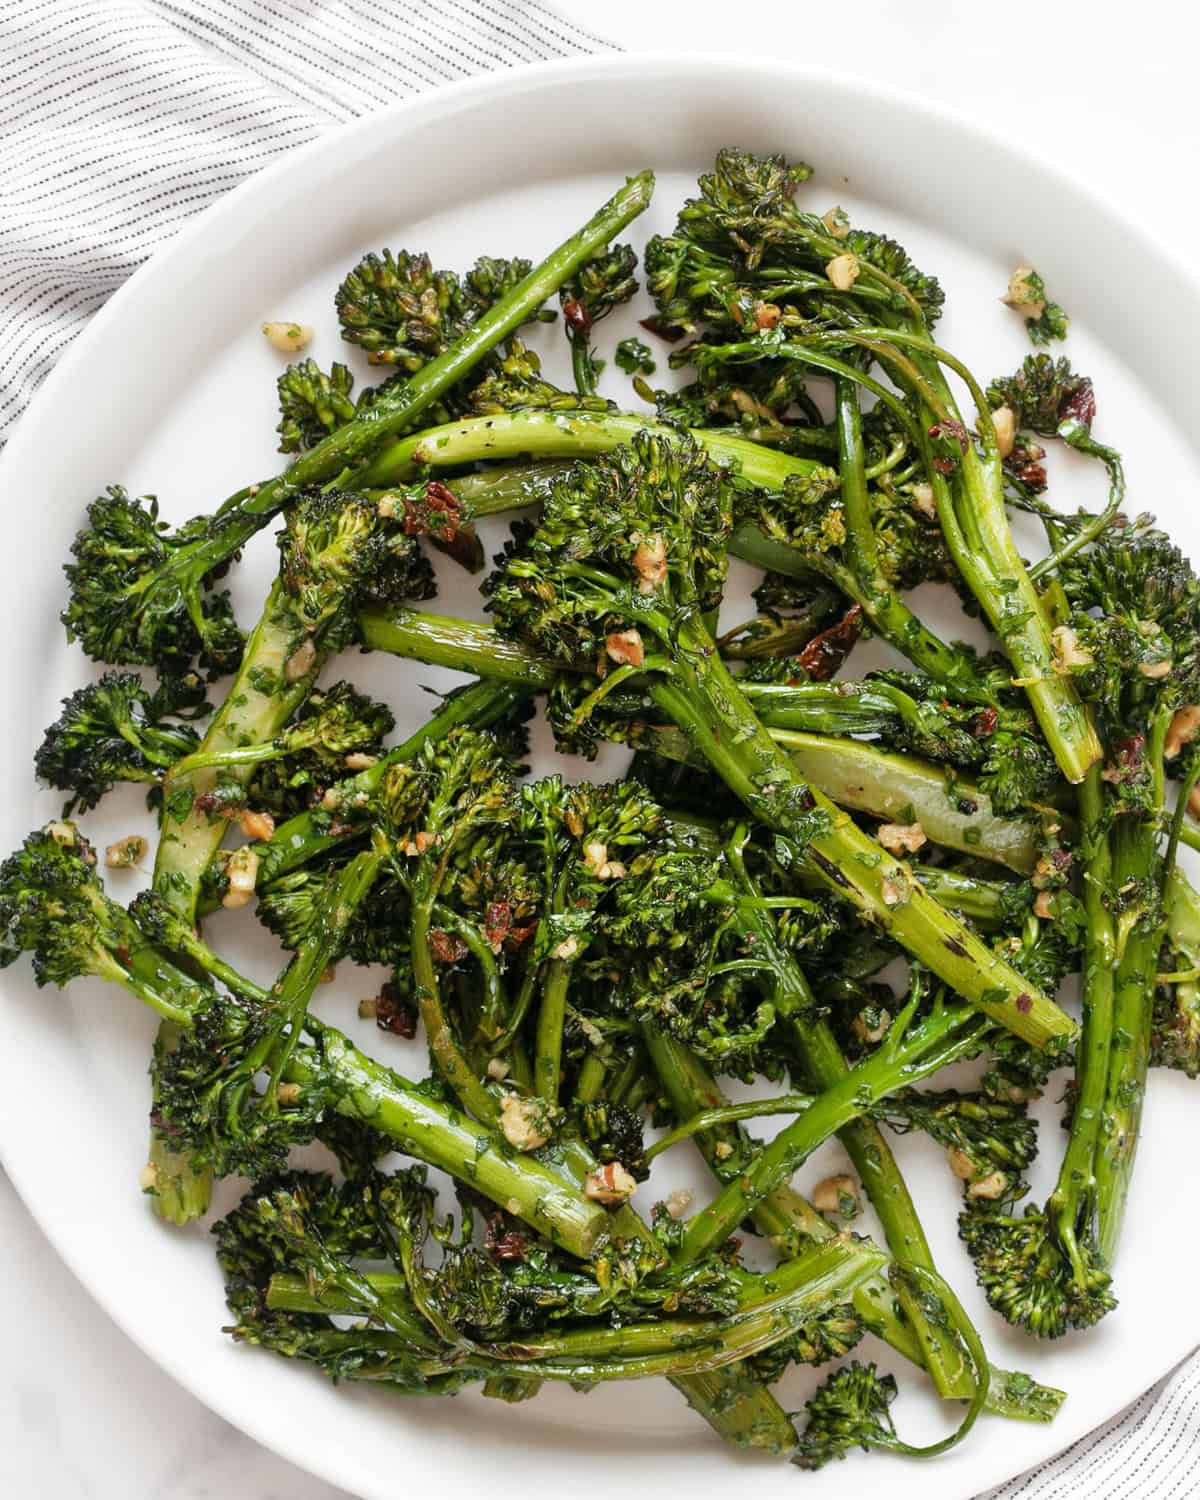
{"x": 170, "y": 390}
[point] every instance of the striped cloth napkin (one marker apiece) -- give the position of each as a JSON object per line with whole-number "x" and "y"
{"x": 120, "y": 119}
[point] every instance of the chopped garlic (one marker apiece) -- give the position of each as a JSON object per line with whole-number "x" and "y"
{"x": 1154, "y": 670}
{"x": 523, "y": 1122}
{"x": 678, "y": 1202}
{"x": 843, "y": 271}
{"x": 241, "y": 868}
{"x": 650, "y": 563}
{"x": 1022, "y": 295}
{"x": 126, "y": 852}
{"x": 609, "y": 1184}
{"x": 256, "y": 825}
{"x": 901, "y": 838}
{"x": 497, "y": 1069}
{"x": 148, "y": 1178}
{"x": 359, "y": 760}
{"x": 923, "y": 499}
{"x": 1068, "y": 653}
{"x": 991, "y": 1187}
{"x": 1182, "y": 730}
{"x": 288, "y": 338}
{"x": 894, "y": 892}
{"x": 837, "y": 222}
{"x": 837, "y": 1195}
{"x": 1004, "y": 420}
{"x": 301, "y": 662}
{"x": 876, "y": 1033}
{"x": 625, "y": 648}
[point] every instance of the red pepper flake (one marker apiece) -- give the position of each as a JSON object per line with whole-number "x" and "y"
{"x": 447, "y": 949}
{"x": 1024, "y": 1003}
{"x": 828, "y": 649}
{"x": 655, "y": 326}
{"x": 984, "y": 723}
{"x": 505, "y": 1242}
{"x": 576, "y": 316}
{"x": 394, "y": 1013}
{"x": 497, "y": 923}
{"x": 954, "y": 431}
{"x": 1080, "y": 405}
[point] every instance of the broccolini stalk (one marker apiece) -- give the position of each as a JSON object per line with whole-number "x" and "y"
{"x": 1140, "y": 932}
{"x": 335, "y": 552}
{"x": 808, "y": 720}
{"x": 138, "y": 596}
{"x": 1043, "y": 1271}
{"x": 822, "y": 1065}
{"x": 457, "y": 789}
{"x": 583, "y": 434}
{"x": 908, "y": 1053}
{"x": 590, "y": 294}
{"x": 968, "y": 490}
{"x": 570, "y": 587}
{"x": 53, "y": 906}
{"x": 788, "y": 1220}
{"x": 862, "y": 578}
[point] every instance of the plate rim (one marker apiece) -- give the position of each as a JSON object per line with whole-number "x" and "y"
{"x": 432, "y": 105}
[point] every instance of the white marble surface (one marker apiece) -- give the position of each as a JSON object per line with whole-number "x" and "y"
{"x": 1106, "y": 90}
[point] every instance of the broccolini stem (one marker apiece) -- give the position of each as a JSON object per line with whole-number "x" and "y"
{"x": 563, "y": 434}
{"x": 364, "y": 1090}
{"x": 398, "y": 408}
{"x": 947, "y": 1034}
{"x": 810, "y": 1284}
{"x": 975, "y": 524}
{"x": 1071, "y": 1209}
{"x": 703, "y": 698}
{"x": 1136, "y": 866}
{"x": 552, "y": 1015}
{"x": 462, "y": 645}
{"x": 788, "y": 1220}
{"x": 862, "y": 580}
{"x": 822, "y": 1064}
{"x": 1077, "y": 435}
{"x": 728, "y": 1114}
{"x": 258, "y": 705}
{"x": 443, "y": 1045}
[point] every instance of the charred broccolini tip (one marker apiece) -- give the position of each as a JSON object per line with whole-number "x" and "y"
{"x": 599, "y": 285}
{"x": 312, "y": 404}
{"x": 117, "y": 729}
{"x": 142, "y": 595}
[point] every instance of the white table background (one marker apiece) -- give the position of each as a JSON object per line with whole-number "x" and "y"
{"x": 1107, "y": 90}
